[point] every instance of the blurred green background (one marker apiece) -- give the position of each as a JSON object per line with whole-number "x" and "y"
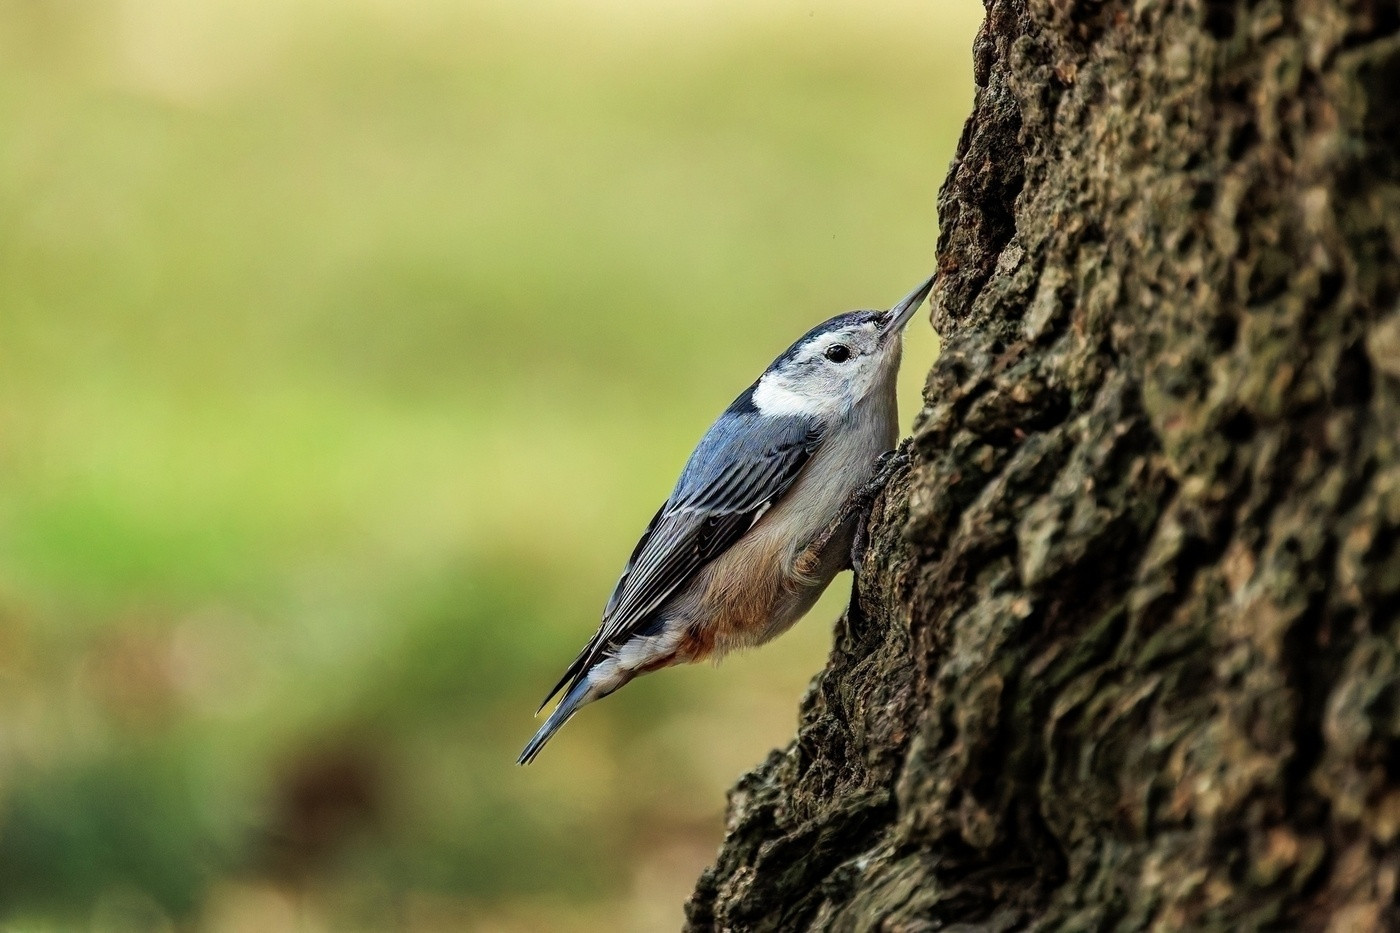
{"x": 345, "y": 348}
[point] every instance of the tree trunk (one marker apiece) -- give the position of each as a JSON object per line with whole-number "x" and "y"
{"x": 1126, "y": 652}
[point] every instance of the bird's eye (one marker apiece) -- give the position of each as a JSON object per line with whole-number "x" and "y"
{"x": 838, "y": 353}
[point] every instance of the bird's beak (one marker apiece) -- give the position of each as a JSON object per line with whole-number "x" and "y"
{"x": 899, "y": 315}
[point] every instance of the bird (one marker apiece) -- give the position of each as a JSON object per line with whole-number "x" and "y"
{"x": 765, "y": 512}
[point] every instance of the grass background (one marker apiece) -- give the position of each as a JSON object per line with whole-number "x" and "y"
{"x": 345, "y": 348}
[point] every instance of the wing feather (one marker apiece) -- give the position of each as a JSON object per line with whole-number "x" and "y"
{"x": 735, "y": 475}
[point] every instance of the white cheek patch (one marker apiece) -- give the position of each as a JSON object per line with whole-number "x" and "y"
{"x": 811, "y": 387}
{"x": 775, "y": 397}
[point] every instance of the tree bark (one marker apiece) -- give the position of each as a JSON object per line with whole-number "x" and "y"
{"x": 1126, "y": 651}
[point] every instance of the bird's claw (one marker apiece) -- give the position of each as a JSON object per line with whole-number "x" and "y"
{"x": 863, "y": 502}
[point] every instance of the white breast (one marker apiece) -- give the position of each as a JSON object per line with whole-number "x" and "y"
{"x": 842, "y": 465}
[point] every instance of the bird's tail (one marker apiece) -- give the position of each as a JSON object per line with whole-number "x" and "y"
{"x": 577, "y": 696}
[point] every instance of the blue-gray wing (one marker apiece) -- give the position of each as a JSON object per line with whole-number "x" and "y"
{"x": 744, "y": 464}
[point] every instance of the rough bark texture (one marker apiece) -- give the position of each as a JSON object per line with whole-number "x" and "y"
{"x": 1127, "y": 649}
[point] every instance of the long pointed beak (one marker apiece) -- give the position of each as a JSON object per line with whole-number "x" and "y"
{"x": 900, "y": 314}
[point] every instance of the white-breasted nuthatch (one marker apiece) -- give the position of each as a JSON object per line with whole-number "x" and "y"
{"x": 760, "y": 521}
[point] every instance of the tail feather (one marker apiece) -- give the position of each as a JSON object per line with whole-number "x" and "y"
{"x": 573, "y": 674}
{"x": 578, "y": 695}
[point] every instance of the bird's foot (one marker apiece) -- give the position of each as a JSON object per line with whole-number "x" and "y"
{"x": 863, "y": 501}
{"x": 856, "y": 508}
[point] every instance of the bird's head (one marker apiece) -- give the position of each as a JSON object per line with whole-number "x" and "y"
{"x": 837, "y": 363}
